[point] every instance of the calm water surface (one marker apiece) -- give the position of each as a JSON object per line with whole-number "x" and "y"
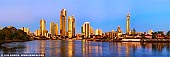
{"x": 79, "y": 48}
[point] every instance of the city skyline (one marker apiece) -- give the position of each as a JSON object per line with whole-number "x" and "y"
{"x": 107, "y": 18}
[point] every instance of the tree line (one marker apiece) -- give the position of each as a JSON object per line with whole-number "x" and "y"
{"x": 11, "y": 33}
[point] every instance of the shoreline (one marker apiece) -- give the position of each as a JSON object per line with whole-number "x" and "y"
{"x": 103, "y": 40}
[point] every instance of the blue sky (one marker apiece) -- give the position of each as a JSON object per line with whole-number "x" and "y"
{"x": 106, "y": 15}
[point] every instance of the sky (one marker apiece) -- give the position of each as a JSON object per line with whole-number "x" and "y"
{"x": 102, "y": 14}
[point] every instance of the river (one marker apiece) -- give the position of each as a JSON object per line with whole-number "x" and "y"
{"x": 81, "y": 48}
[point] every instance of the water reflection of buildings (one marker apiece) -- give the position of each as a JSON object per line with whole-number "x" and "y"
{"x": 86, "y": 49}
{"x": 42, "y": 46}
{"x": 90, "y": 49}
{"x": 57, "y": 48}
{"x": 62, "y": 49}
{"x": 98, "y": 49}
{"x": 133, "y": 47}
{"x": 71, "y": 48}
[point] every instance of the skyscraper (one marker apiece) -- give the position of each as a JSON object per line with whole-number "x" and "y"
{"x": 86, "y": 29}
{"x": 63, "y": 15}
{"x": 71, "y": 26}
{"x": 128, "y": 23}
{"x": 42, "y": 27}
{"x": 83, "y": 30}
{"x": 53, "y": 29}
{"x": 74, "y": 26}
{"x": 56, "y": 29}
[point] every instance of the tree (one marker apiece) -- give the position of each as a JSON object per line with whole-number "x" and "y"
{"x": 168, "y": 33}
{"x": 143, "y": 36}
{"x": 11, "y": 33}
{"x": 133, "y": 31}
{"x": 154, "y": 34}
{"x": 161, "y": 32}
{"x": 2, "y": 35}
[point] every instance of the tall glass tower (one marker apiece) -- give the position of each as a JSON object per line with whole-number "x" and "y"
{"x": 42, "y": 27}
{"x": 128, "y": 23}
{"x": 63, "y": 15}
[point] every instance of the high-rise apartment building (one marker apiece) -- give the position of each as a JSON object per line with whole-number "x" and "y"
{"x": 63, "y": 15}
{"x": 42, "y": 27}
{"x": 128, "y": 23}
{"x": 71, "y": 26}
{"x": 56, "y": 29}
{"x": 53, "y": 29}
{"x": 86, "y": 30}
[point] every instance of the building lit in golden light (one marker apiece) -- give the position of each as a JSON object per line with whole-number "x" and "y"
{"x": 98, "y": 32}
{"x": 150, "y": 32}
{"x": 27, "y": 30}
{"x": 71, "y": 26}
{"x": 83, "y": 30}
{"x": 46, "y": 33}
{"x": 63, "y": 16}
{"x": 53, "y": 29}
{"x": 37, "y": 32}
{"x": 42, "y": 27}
{"x": 42, "y": 45}
{"x": 128, "y": 23}
{"x": 86, "y": 29}
{"x": 119, "y": 31}
{"x": 56, "y": 29}
{"x": 113, "y": 31}
{"x": 92, "y": 32}
{"x": 71, "y": 48}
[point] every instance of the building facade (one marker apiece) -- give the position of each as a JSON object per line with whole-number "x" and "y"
{"x": 119, "y": 32}
{"x": 150, "y": 32}
{"x": 27, "y": 30}
{"x": 53, "y": 29}
{"x": 98, "y": 32}
{"x": 86, "y": 30}
{"x": 71, "y": 26}
{"x": 92, "y": 32}
{"x": 128, "y": 23}
{"x": 63, "y": 15}
{"x": 37, "y": 32}
{"x": 56, "y": 29}
{"x": 42, "y": 27}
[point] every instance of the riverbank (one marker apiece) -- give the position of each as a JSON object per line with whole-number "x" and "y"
{"x": 130, "y": 40}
